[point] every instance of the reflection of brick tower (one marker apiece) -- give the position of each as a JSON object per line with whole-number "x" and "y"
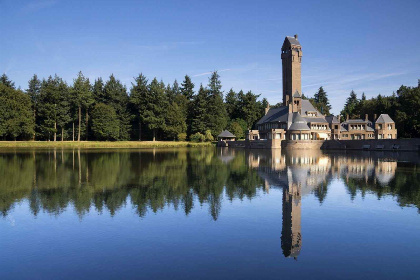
{"x": 291, "y": 239}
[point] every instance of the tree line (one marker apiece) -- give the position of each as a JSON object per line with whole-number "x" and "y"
{"x": 403, "y": 107}
{"x": 51, "y": 109}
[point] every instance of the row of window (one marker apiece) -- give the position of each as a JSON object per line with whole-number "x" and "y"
{"x": 319, "y": 127}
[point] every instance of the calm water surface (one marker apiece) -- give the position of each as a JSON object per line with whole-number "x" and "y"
{"x": 208, "y": 214}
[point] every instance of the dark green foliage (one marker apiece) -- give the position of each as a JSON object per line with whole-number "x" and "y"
{"x": 321, "y": 102}
{"x": 199, "y": 111}
{"x": 5, "y": 81}
{"x": 216, "y": 117}
{"x": 232, "y": 104}
{"x": 175, "y": 121}
{"x": 187, "y": 88}
{"x": 139, "y": 97}
{"x": 82, "y": 98}
{"x": 238, "y": 127}
{"x": 16, "y": 114}
{"x": 249, "y": 108}
{"x": 154, "y": 113}
{"x": 116, "y": 96}
{"x": 105, "y": 122}
{"x": 350, "y": 108}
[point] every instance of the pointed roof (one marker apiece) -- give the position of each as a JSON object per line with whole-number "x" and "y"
{"x": 384, "y": 118}
{"x": 297, "y": 94}
{"x": 226, "y": 134}
{"x": 331, "y": 119}
{"x": 298, "y": 122}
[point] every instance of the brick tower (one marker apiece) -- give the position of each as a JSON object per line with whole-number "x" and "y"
{"x": 291, "y": 56}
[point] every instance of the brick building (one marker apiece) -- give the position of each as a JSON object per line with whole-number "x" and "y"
{"x": 298, "y": 119}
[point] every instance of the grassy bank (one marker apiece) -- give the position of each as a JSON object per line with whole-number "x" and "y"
{"x": 100, "y": 144}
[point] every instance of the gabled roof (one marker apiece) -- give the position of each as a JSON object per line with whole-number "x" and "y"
{"x": 315, "y": 120}
{"x": 384, "y": 118}
{"x": 332, "y": 119}
{"x": 226, "y": 134}
{"x": 308, "y": 107}
{"x": 297, "y": 94}
{"x": 298, "y": 122}
{"x": 275, "y": 115}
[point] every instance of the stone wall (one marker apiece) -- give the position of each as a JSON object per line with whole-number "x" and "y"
{"x": 302, "y": 144}
{"x": 374, "y": 144}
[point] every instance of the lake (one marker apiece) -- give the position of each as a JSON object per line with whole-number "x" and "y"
{"x": 208, "y": 213}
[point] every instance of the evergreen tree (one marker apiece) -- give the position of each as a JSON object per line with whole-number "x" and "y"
{"x": 216, "y": 116}
{"x": 81, "y": 97}
{"x": 33, "y": 91}
{"x": 49, "y": 107}
{"x": 232, "y": 104}
{"x": 6, "y": 81}
{"x": 63, "y": 107}
{"x": 199, "y": 110}
{"x": 187, "y": 88}
{"x": 350, "y": 107}
{"x": 175, "y": 121}
{"x": 249, "y": 108}
{"x": 105, "y": 122}
{"x": 116, "y": 96}
{"x": 321, "y": 101}
{"x": 139, "y": 97}
{"x": 98, "y": 91}
{"x": 16, "y": 113}
{"x": 154, "y": 114}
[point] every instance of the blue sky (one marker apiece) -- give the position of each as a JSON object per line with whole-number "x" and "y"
{"x": 367, "y": 46}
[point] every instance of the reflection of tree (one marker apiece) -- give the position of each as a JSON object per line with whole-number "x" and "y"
{"x": 52, "y": 181}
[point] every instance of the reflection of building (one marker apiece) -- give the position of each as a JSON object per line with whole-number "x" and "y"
{"x": 291, "y": 237}
{"x": 301, "y": 172}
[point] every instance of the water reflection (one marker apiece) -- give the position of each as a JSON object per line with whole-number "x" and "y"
{"x": 151, "y": 180}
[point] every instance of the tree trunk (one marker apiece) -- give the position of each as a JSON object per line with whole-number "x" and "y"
{"x": 62, "y": 134}
{"x": 154, "y": 135}
{"x": 139, "y": 130}
{"x": 80, "y": 122}
{"x": 55, "y": 131}
{"x": 73, "y": 131}
{"x": 33, "y": 136}
{"x": 87, "y": 118}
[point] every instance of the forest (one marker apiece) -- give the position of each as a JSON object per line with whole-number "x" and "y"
{"x": 53, "y": 110}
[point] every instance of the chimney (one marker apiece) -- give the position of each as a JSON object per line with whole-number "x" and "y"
{"x": 366, "y": 117}
{"x": 338, "y": 118}
{"x": 296, "y": 36}
{"x": 267, "y": 108}
{"x": 374, "y": 117}
{"x": 347, "y": 117}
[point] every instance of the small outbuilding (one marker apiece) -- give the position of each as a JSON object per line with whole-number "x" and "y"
{"x": 226, "y": 136}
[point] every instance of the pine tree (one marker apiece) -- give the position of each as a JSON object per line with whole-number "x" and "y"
{"x": 351, "y": 106}
{"x": 63, "y": 107}
{"x": 139, "y": 95}
{"x": 16, "y": 113}
{"x": 105, "y": 122}
{"x": 98, "y": 91}
{"x": 82, "y": 98}
{"x": 216, "y": 116}
{"x": 321, "y": 101}
{"x": 231, "y": 102}
{"x": 187, "y": 88}
{"x": 33, "y": 91}
{"x": 175, "y": 121}
{"x": 249, "y": 108}
{"x": 6, "y": 81}
{"x": 199, "y": 110}
{"x": 154, "y": 114}
{"x": 48, "y": 107}
{"x": 116, "y": 96}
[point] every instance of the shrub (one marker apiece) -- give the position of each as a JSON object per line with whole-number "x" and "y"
{"x": 182, "y": 136}
{"x": 208, "y": 137}
{"x": 197, "y": 137}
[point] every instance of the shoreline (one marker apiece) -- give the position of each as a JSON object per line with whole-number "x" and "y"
{"x": 101, "y": 144}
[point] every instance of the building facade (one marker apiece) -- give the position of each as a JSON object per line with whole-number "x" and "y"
{"x": 297, "y": 119}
